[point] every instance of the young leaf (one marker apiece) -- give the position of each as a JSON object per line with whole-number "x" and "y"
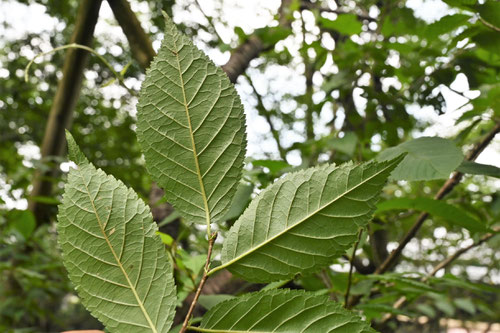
{"x": 191, "y": 128}
{"x": 436, "y": 208}
{"x": 303, "y": 221}
{"x": 282, "y": 311}
{"x": 428, "y": 158}
{"x": 114, "y": 258}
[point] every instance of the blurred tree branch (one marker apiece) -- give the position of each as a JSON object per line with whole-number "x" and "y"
{"x": 61, "y": 112}
{"x": 402, "y": 300}
{"x": 139, "y": 41}
{"x": 261, "y": 109}
{"x": 445, "y": 189}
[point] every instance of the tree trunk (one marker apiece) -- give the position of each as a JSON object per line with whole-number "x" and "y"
{"x": 61, "y": 113}
{"x": 139, "y": 41}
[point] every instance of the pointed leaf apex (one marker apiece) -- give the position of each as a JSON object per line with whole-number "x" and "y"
{"x": 165, "y": 15}
{"x": 74, "y": 152}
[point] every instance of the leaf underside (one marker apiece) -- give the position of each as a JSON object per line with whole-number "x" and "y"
{"x": 437, "y": 208}
{"x": 428, "y": 158}
{"x": 114, "y": 258}
{"x": 282, "y": 311}
{"x": 191, "y": 127}
{"x": 304, "y": 221}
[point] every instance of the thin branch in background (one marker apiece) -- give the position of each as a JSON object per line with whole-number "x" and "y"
{"x": 489, "y": 25}
{"x": 325, "y": 278}
{"x": 63, "y": 105}
{"x": 267, "y": 115}
{"x": 402, "y": 300}
{"x": 210, "y": 21}
{"x": 351, "y": 268}
{"x": 459, "y": 93}
{"x": 117, "y": 75}
{"x": 211, "y": 242}
{"x": 445, "y": 189}
{"x": 313, "y": 6}
{"x": 308, "y": 73}
{"x": 448, "y": 186}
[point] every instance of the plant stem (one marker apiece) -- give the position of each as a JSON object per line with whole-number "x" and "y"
{"x": 489, "y": 25}
{"x": 440, "y": 266}
{"x": 351, "y": 262}
{"x": 211, "y": 242}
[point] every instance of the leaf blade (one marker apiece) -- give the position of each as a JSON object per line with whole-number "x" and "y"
{"x": 191, "y": 128}
{"x": 475, "y": 168}
{"x": 282, "y": 311}
{"x": 428, "y": 158}
{"x": 274, "y": 240}
{"x": 436, "y": 208}
{"x": 104, "y": 229}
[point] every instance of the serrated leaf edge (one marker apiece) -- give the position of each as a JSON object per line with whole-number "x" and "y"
{"x": 132, "y": 288}
{"x": 390, "y": 164}
{"x": 191, "y": 134}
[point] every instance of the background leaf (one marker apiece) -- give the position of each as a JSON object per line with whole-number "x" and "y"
{"x": 282, "y": 311}
{"x": 437, "y": 208}
{"x": 303, "y": 221}
{"x": 474, "y": 168}
{"x": 347, "y": 24}
{"x": 114, "y": 258}
{"x": 428, "y": 158}
{"x": 191, "y": 128}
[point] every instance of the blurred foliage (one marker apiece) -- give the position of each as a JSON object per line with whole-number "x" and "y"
{"x": 377, "y": 52}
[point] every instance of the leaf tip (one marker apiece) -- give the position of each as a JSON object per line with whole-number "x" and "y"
{"x": 74, "y": 152}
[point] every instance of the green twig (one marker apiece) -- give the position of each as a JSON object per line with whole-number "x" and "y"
{"x": 204, "y": 278}
{"x": 118, "y": 76}
{"x": 351, "y": 262}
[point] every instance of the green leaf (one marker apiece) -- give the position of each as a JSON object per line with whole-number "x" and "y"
{"x": 465, "y": 304}
{"x": 303, "y": 221}
{"x": 209, "y": 301}
{"x": 488, "y": 40}
{"x": 274, "y": 166}
{"x": 165, "y": 239}
{"x": 426, "y": 310}
{"x": 402, "y": 281}
{"x": 272, "y": 35}
{"x": 474, "y": 168}
{"x": 428, "y": 158}
{"x": 191, "y": 128}
{"x": 347, "y": 24}
{"x": 445, "y": 25}
{"x": 436, "y": 208}
{"x": 282, "y": 311}
{"x": 22, "y": 221}
{"x": 489, "y": 11}
{"x": 112, "y": 253}
{"x": 240, "y": 201}
{"x": 346, "y": 144}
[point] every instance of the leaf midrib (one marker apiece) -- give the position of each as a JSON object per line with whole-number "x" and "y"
{"x": 132, "y": 287}
{"x": 191, "y": 135}
{"x": 269, "y": 240}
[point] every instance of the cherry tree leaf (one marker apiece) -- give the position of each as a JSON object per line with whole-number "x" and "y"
{"x": 191, "y": 127}
{"x": 112, "y": 253}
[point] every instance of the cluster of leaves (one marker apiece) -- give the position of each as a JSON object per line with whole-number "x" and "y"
{"x": 429, "y": 58}
{"x": 191, "y": 128}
